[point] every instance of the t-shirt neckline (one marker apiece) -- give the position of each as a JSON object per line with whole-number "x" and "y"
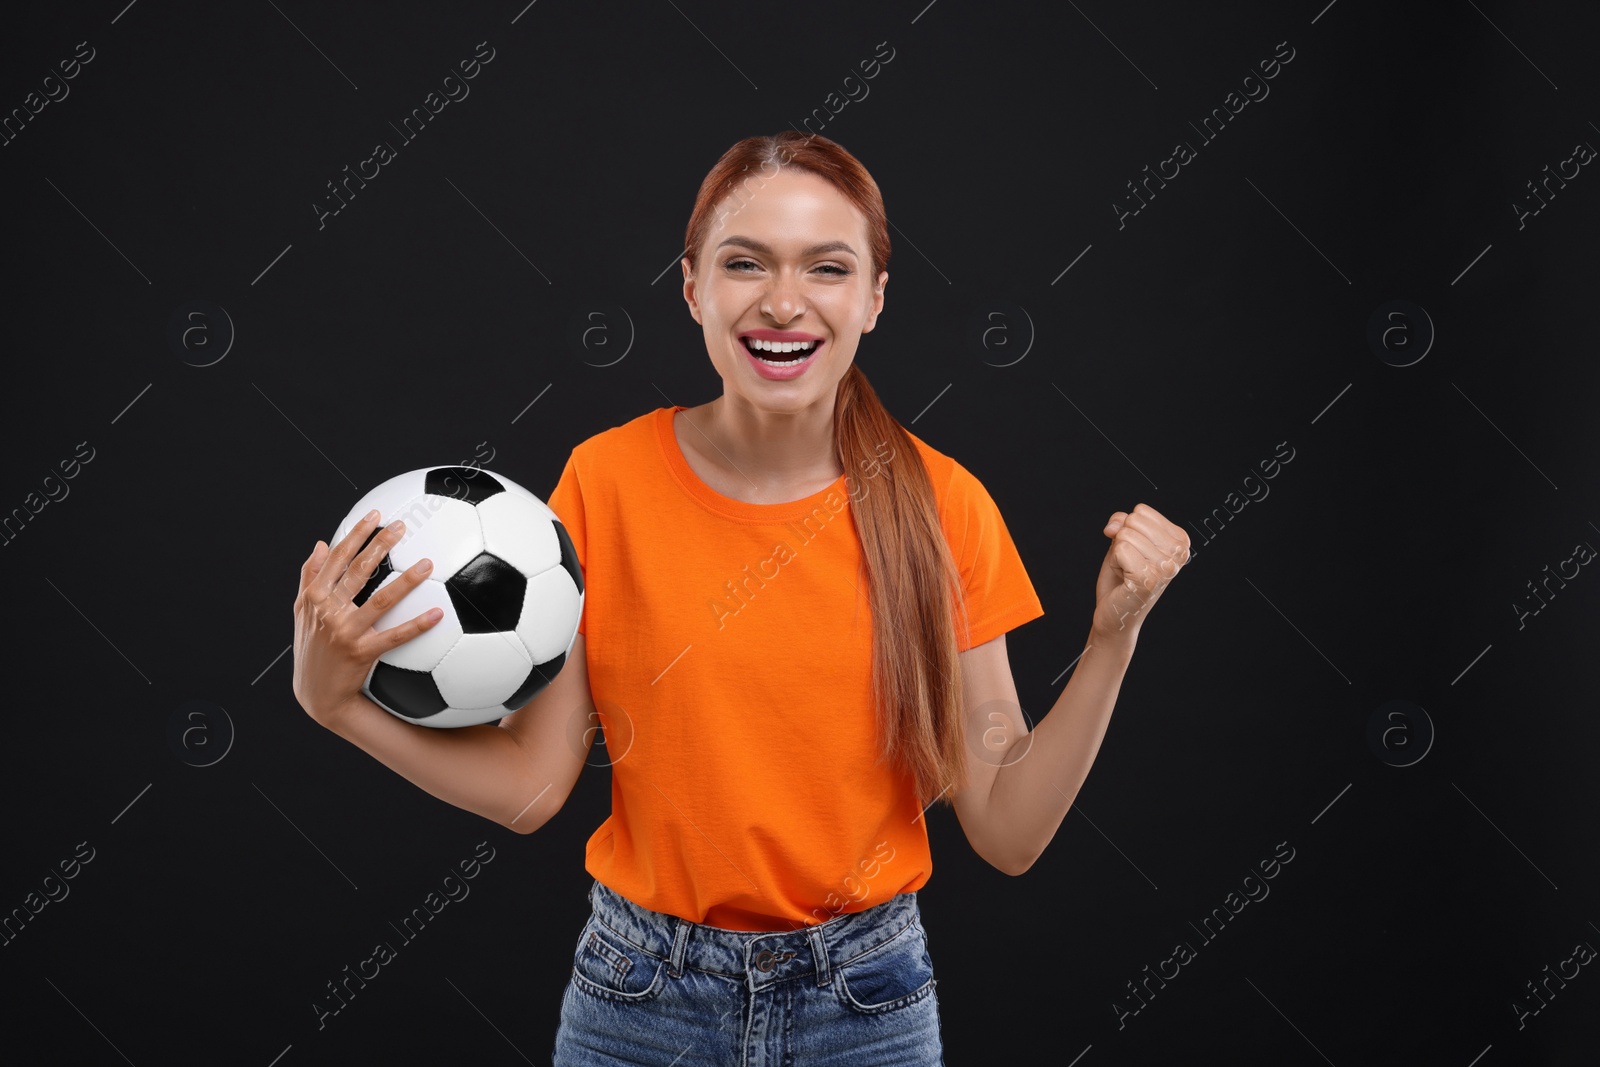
{"x": 726, "y": 506}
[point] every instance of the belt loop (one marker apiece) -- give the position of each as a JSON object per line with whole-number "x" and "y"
{"x": 680, "y": 946}
{"x": 819, "y": 952}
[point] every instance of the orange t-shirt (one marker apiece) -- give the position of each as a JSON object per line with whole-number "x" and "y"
{"x": 729, "y": 656}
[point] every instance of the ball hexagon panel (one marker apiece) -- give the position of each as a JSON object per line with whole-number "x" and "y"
{"x": 389, "y": 498}
{"x": 424, "y": 651}
{"x": 549, "y": 612}
{"x": 521, "y": 531}
{"x": 474, "y": 672}
{"x": 440, "y": 529}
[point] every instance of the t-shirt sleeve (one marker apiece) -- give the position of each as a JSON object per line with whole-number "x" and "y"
{"x": 999, "y": 594}
{"x": 567, "y": 502}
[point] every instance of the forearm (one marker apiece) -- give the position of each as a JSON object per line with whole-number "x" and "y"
{"x": 1043, "y": 770}
{"x": 481, "y": 769}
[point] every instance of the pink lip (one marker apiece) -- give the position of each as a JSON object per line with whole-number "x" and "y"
{"x": 780, "y": 335}
{"x": 782, "y": 374}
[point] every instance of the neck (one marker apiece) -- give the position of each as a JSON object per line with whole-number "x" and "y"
{"x": 772, "y": 446}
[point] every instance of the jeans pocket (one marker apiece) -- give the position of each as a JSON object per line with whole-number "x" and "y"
{"x": 894, "y": 975}
{"x": 609, "y": 966}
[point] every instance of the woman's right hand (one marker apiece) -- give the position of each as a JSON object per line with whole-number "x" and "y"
{"x": 334, "y": 640}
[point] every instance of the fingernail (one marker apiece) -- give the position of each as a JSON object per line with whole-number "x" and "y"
{"x": 371, "y": 515}
{"x": 425, "y": 566}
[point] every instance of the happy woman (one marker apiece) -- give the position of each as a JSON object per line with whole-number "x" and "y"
{"x": 794, "y": 638}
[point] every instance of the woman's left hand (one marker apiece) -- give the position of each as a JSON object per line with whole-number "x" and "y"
{"x": 1145, "y": 555}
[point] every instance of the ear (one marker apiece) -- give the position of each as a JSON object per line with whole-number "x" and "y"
{"x": 877, "y": 302}
{"x": 689, "y": 293}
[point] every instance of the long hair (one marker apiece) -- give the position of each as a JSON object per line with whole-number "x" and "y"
{"x": 913, "y": 583}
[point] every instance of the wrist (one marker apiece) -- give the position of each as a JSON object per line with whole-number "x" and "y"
{"x": 334, "y": 716}
{"x": 1120, "y": 641}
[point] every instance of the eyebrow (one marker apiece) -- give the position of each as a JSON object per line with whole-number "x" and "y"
{"x": 815, "y": 250}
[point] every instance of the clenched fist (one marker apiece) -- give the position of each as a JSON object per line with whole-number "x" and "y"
{"x": 1145, "y": 555}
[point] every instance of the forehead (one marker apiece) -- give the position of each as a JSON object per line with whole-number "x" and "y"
{"x": 793, "y": 207}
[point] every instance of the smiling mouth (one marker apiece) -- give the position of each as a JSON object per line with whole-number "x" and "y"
{"x": 781, "y": 353}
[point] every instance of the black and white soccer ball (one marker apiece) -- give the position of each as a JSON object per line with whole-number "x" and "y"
{"x": 506, "y": 577}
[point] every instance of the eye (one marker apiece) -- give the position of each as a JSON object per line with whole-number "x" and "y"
{"x": 739, "y": 267}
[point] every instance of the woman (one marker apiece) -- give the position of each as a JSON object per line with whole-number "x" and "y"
{"x": 793, "y": 636}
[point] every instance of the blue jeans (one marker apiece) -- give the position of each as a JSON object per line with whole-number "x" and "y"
{"x": 660, "y": 991}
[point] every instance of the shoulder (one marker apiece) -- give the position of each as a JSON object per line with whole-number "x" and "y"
{"x": 955, "y": 488}
{"x": 941, "y": 468}
{"x": 970, "y": 515}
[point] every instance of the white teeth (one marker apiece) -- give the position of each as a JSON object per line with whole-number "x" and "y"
{"x": 781, "y": 347}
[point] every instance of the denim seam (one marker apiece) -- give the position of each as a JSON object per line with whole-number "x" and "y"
{"x": 880, "y": 945}
{"x": 627, "y": 940}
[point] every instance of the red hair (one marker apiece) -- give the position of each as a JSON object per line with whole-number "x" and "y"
{"x": 913, "y": 584}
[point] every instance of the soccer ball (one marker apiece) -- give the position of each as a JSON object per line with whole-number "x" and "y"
{"x": 504, "y": 573}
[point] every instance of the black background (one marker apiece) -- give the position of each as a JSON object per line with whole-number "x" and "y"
{"x": 417, "y": 326}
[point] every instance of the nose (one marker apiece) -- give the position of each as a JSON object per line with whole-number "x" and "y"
{"x": 782, "y": 300}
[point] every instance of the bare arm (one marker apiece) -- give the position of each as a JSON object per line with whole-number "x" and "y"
{"x": 1024, "y": 782}
{"x": 1020, "y": 787}
{"x": 517, "y": 774}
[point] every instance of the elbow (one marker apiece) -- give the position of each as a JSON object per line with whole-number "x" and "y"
{"x": 1014, "y": 865}
{"x": 533, "y": 817}
{"x": 1007, "y": 857}
{"x": 525, "y": 823}
{"x": 1016, "y": 869}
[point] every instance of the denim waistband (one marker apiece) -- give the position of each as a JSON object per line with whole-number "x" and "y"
{"x": 761, "y": 957}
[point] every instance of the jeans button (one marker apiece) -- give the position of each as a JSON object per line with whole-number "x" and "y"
{"x": 764, "y": 960}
